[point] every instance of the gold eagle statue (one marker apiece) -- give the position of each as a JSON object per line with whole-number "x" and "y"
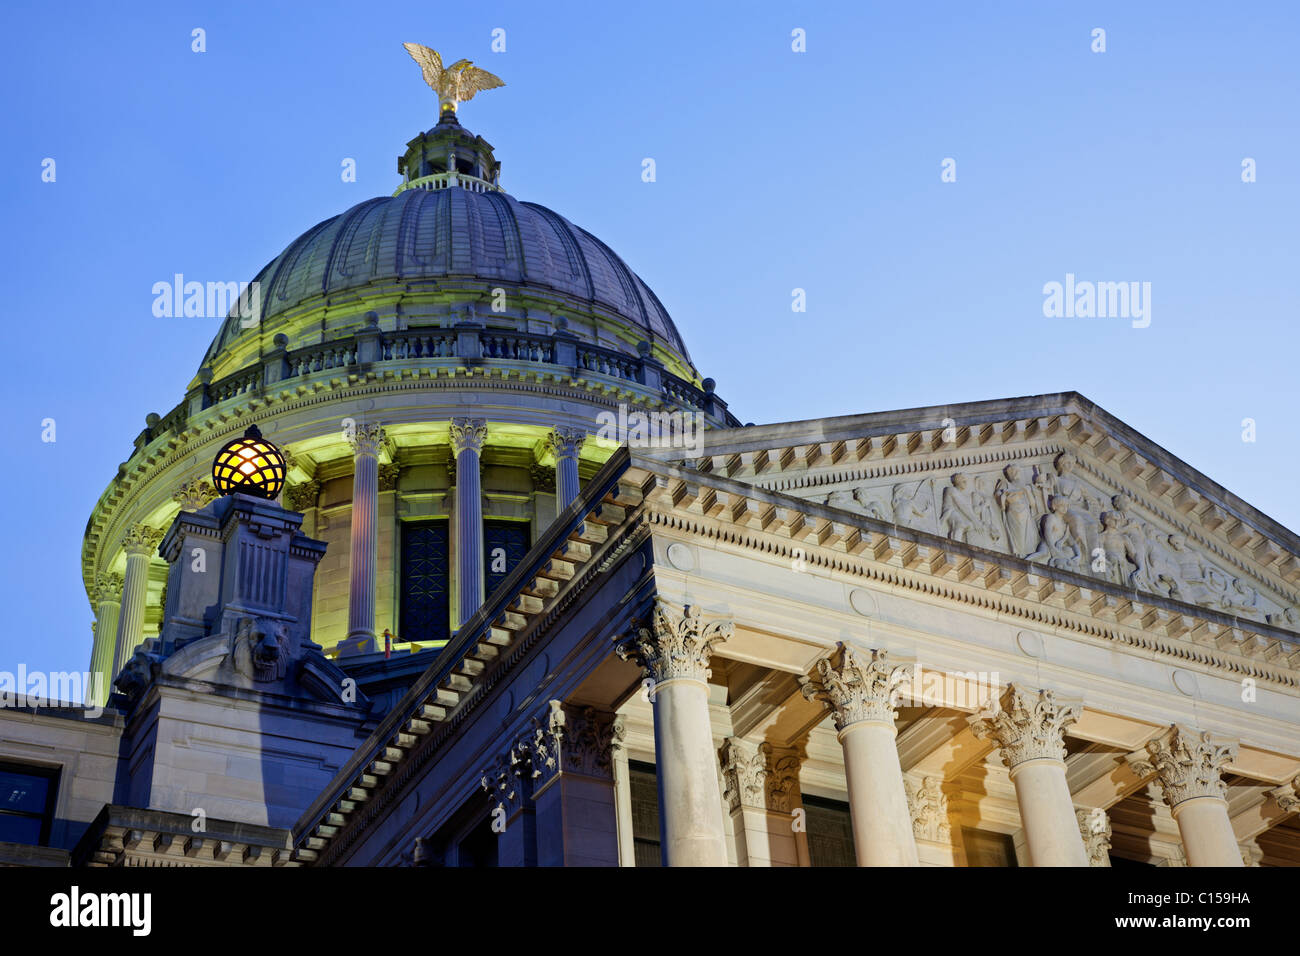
{"x": 454, "y": 84}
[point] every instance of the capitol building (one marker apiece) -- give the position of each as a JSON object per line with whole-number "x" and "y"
{"x": 515, "y": 586}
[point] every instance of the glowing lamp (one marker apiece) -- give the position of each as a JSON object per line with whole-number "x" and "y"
{"x": 250, "y": 465}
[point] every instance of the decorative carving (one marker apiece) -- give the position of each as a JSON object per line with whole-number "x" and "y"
{"x": 1094, "y": 827}
{"x": 858, "y": 689}
{"x": 1016, "y": 499}
{"x": 912, "y": 510}
{"x": 1189, "y": 763}
{"x": 1027, "y": 724}
{"x": 565, "y": 442}
{"x": 502, "y": 781}
{"x": 195, "y": 494}
{"x": 260, "y": 649}
{"x": 1287, "y": 796}
{"x": 675, "y": 647}
{"x": 302, "y": 496}
{"x": 108, "y": 588}
{"x": 760, "y": 776}
{"x": 468, "y": 434}
{"x": 1251, "y": 854}
{"x": 928, "y": 805}
{"x": 388, "y": 475}
{"x": 366, "y": 440}
{"x": 543, "y": 477}
{"x": 965, "y": 514}
{"x": 142, "y": 539}
{"x": 1057, "y": 543}
{"x": 138, "y": 673}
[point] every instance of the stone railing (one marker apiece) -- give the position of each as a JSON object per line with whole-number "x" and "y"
{"x": 450, "y": 181}
{"x": 463, "y": 346}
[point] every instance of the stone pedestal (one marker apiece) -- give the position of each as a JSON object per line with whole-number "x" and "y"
{"x": 1029, "y": 727}
{"x": 861, "y": 694}
{"x": 674, "y": 652}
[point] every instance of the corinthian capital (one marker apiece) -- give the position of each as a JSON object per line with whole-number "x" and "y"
{"x": 675, "y": 646}
{"x": 1094, "y": 827}
{"x": 858, "y": 688}
{"x": 366, "y": 440}
{"x": 468, "y": 434}
{"x": 141, "y": 539}
{"x": 1189, "y": 763}
{"x": 760, "y": 776}
{"x": 1027, "y": 724}
{"x": 928, "y": 805}
{"x": 565, "y": 442}
{"x": 194, "y": 494}
{"x": 108, "y": 588}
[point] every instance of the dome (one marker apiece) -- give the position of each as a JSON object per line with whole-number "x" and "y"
{"x": 423, "y": 234}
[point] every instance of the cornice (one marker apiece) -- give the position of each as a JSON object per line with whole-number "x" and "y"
{"x": 775, "y": 525}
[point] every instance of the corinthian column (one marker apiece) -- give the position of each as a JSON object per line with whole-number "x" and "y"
{"x": 1029, "y": 727}
{"x": 366, "y": 440}
{"x": 1190, "y": 766}
{"x": 467, "y": 437}
{"x": 140, "y": 543}
{"x": 108, "y": 604}
{"x": 565, "y": 443}
{"x": 674, "y": 653}
{"x": 861, "y": 694}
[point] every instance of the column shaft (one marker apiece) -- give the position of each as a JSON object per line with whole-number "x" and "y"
{"x": 103, "y": 654}
{"x": 882, "y": 824}
{"x": 365, "y": 523}
{"x": 689, "y": 799}
{"x": 469, "y": 534}
{"x": 1047, "y": 814}
{"x": 130, "y": 621}
{"x": 1206, "y": 829}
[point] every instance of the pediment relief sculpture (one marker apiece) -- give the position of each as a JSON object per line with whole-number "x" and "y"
{"x": 1045, "y": 512}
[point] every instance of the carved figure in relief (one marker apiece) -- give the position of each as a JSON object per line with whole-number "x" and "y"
{"x": 1201, "y": 583}
{"x": 1016, "y": 499}
{"x": 1242, "y": 599}
{"x": 1117, "y": 550}
{"x": 1162, "y": 571}
{"x": 1057, "y": 546}
{"x": 912, "y": 511}
{"x": 1083, "y": 510}
{"x": 870, "y": 507}
{"x": 1131, "y": 527}
{"x": 957, "y": 517}
{"x": 856, "y": 501}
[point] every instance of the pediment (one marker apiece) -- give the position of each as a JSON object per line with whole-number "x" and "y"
{"x": 1051, "y": 479}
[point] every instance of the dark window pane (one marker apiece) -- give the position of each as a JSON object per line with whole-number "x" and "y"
{"x": 504, "y": 545}
{"x": 830, "y": 832}
{"x": 23, "y": 792}
{"x": 645, "y": 814}
{"x": 478, "y": 847}
{"x": 20, "y": 829}
{"x": 426, "y": 583}
{"x": 988, "y": 849}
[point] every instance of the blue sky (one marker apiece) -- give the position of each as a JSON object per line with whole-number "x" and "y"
{"x": 775, "y": 170}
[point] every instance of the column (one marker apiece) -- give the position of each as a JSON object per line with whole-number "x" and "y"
{"x": 762, "y": 791}
{"x": 140, "y": 543}
{"x": 467, "y": 437}
{"x": 1029, "y": 727}
{"x": 565, "y": 443}
{"x": 366, "y": 441}
{"x": 862, "y": 693}
{"x": 1094, "y": 828}
{"x": 1190, "y": 765}
{"x": 674, "y": 653}
{"x": 622, "y": 795}
{"x": 108, "y": 604}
